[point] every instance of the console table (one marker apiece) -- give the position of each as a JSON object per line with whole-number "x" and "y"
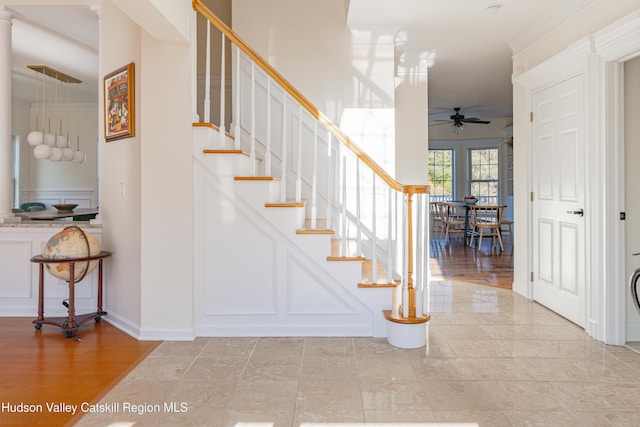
{"x": 71, "y": 323}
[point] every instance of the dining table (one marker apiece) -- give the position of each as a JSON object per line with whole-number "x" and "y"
{"x": 467, "y": 207}
{"x": 54, "y": 214}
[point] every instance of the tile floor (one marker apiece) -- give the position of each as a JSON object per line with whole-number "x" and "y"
{"x": 493, "y": 358}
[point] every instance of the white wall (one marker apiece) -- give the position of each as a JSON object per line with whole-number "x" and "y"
{"x": 632, "y": 177}
{"x": 147, "y": 181}
{"x": 594, "y": 17}
{"x": 166, "y": 191}
{"x": 345, "y": 74}
{"x": 596, "y": 55}
{"x": 120, "y": 161}
{"x": 307, "y": 42}
{"x": 597, "y": 15}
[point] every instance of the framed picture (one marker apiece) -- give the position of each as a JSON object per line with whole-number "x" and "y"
{"x": 119, "y": 103}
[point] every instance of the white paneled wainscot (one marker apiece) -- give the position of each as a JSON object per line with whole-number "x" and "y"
{"x": 19, "y": 276}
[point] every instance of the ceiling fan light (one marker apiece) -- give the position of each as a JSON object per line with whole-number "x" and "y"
{"x": 457, "y": 127}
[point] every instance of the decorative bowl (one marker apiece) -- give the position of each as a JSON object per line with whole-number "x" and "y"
{"x": 470, "y": 200}
{"x": 65, "y": 207}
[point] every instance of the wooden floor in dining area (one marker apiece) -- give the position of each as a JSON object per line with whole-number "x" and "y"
{"x": 485, "y": 265}
{"x": 43, "y": 367}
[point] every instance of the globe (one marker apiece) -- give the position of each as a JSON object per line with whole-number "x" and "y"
{"x": 72, "y": 242}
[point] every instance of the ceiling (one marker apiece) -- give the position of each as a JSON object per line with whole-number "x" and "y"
{"x": 469, "y": 49}
{"x": 64, "y": 38}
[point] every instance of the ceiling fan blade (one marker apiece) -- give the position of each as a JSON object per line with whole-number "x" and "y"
{"x": 474, "y": 120}
{"x": 442, "y": 122}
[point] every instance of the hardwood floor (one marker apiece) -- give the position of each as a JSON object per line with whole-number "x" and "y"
{"x": 482, "y": 266}
{"x": 40, "y": 367}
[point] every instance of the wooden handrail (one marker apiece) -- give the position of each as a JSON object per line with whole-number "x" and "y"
{"x": 313, "y": 110}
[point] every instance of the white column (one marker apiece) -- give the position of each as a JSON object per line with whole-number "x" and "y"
{"x": 412, "y": 132}
{"x": 6, "y": 214}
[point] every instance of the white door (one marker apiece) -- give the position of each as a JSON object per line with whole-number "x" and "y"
{"x": 558, "y": 199}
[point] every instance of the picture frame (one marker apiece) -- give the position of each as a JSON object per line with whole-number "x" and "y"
{"x": 119, "y": 103}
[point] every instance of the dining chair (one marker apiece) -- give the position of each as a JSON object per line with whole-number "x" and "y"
{"x": 437, "y": 220}
{"x": 453, "y": 220}
{"x": 509, "y": 228}
{"x": 486, "y": 221}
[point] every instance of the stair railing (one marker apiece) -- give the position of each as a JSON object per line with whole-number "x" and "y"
{"x": 374, "y": 215}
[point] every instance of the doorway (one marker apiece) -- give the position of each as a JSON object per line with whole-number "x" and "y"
{"x": 558, "y": 197}
{"x": 632, "y": 196}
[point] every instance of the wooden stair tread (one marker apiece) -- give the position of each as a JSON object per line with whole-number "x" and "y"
{"x": 378, "y": 285}
{"x": 223, "y": 151}
{"x": 346, "y": 258}
{"x": 336, "y": 250}
{"x": 254, "y": 178}
{"x": 286, "y": 204}
{"x": 321, "y": 227}
{"x": 212, "y": 126}
{"x": 381, "y": 281}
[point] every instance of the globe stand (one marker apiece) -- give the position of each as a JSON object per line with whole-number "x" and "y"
{"x": 71, "y": 323}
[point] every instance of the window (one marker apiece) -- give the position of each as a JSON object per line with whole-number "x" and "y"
{"x": 15, "y": 172}
{"x": 441, "y": 174}
{"x": 484, "y": 175}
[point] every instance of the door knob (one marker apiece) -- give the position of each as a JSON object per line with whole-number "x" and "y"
{"x": 580, "y": 212}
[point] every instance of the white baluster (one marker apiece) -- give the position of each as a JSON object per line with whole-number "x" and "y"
{"x": 207, "y": 77}
{"x": 358, "y": 220}
{"x": 238, "y": 131}
{"x": 314, "y": 179}
{"x": 329, "y": 181}
{"x": 374, "y": 238}
{"x": 390, "y": 262}
{"x": 283, "y": 172}
{"x": 299, "y": 163}
{"x": 222, "y": 95}
{"x": 427, "y": 266}
{"x": 267, "y": 159}
{"x": 419, "y": 255}
{"x": 252, "y": 153}
{"x": 344, "y": 206}
{"x": 405, "y": 256}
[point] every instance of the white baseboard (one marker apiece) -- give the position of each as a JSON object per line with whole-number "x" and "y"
{"x": 271, "y": 330}
{"x": 167, "y": 334}
{"x": 122, "y": 323}
{"x": 633, "y": 331}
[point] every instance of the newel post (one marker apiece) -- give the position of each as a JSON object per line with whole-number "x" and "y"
{"x": 406, "y": 321}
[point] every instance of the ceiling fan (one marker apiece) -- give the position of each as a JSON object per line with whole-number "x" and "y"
{"x": 458, "y": 121}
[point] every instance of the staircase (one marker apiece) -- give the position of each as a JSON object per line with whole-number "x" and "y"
{"x": 298, "y": 232}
